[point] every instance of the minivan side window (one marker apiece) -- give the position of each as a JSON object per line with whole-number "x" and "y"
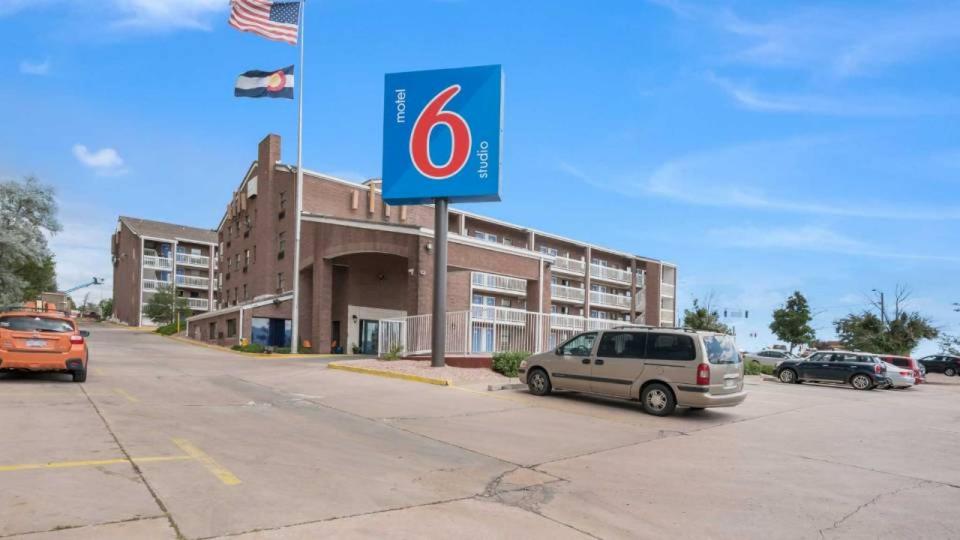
{"x": 581, "y": 345}
{"x": 622, "y": 345}
{"x": 670, "y": 347}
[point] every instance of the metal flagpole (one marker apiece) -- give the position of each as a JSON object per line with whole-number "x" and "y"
{"x": 295, "y": 333}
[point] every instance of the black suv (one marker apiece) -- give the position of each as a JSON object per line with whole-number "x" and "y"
{"x": 941, "y": 363}
{"x": 862, "y": 371}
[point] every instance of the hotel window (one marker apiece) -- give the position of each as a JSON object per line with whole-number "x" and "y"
{"x": 246, "y": 257}
{"x": 283, "y": 201}
{"x": 549, "y": 251}
{"x": 485, "y": 236}
{"x": 507, "y": 242}
{"x": 231, "y": 327}
{"x": 236, "y": 261}
{"x": 281, "y": 244}
{"x": 280, "y": 281}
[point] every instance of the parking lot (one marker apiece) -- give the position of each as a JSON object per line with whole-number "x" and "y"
{"x": 169, "y": 440}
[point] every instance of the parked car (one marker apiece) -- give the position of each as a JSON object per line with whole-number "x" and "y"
{"x": 942, "y": 363}
{"x": 663, "y": 368}
{"x": 863, "y": 371}
{"x": 42, "y": 341}
{"x": 768, "y": 357}
{"x": 900, "y": 378}
{"x": 919, "y": 372}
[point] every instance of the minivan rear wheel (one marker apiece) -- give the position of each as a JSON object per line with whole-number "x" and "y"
{"x": 539, "y": 382}
{"x": 658, "y": 400}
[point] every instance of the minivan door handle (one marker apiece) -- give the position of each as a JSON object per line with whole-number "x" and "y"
{"x": 585, "y": 361}
{"x": 599, "y": 362}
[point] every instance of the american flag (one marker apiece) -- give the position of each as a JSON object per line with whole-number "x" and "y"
{"x": 273, "y": 20}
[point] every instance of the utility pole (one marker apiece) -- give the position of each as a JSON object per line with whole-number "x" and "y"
{"x": 883, "y": 308}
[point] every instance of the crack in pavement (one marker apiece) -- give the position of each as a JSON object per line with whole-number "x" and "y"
{"x": 839, "y": 522}
{"x": 59, "y": 528}
{"x": 136, "y": 468}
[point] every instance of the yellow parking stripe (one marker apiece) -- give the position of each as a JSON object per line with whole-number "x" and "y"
{"x": 126, "y": 395}
{"x": 211, "y": 464}
{"x": 87, "y": 463}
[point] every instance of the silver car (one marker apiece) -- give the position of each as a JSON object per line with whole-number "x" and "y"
{"x": 662, "y": 367}
{"x": 768, "y": 357}
{"x": 899, "y": 377}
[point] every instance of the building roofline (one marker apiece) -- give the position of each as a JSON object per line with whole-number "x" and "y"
{"x": 181, "y": 235}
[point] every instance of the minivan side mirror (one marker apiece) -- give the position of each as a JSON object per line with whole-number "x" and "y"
{"x": 85, "y": 333}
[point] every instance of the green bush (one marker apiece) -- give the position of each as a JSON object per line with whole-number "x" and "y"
{"x": 756, "y": 368}
{"x": 250, "y": 347}
{"x": 394, "y": 353}
{"x": 282, "y": 350}
{"x": 508, "y": 363}
{"x": 168, "y": 329}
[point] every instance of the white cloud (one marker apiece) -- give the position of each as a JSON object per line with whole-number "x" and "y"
{"x": 106, "y": 161}
{"x": 82, "y": 250}
{"x": 168, "y": 14}
{"x": 30, "y": 67}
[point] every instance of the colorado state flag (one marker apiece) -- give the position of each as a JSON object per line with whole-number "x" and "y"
{"x": 274, "y": 84}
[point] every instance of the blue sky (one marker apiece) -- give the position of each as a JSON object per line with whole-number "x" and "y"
{"x": 763, "y": 147}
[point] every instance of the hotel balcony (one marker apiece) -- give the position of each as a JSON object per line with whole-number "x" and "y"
{"x": 499, "y": 284}
{"x": 616, "y": 301}
{"x": 187, "y": 259}
{"x": 569, "y": 266}
{"x": 151, "y": 285}
{"x": 609, "y": 274}
{"x": 193, "y": 282}
{"x": 201, "y": 304}
{"x": 499, "y": 314}
{"x": 157, "y": 263}
{"x": 563, "y": 293}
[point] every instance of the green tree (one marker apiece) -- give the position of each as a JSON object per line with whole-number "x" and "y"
{"x": 950, "y": 345}
{"x": 703, "y": 318}
{"x": 791, "y": 323}
{"x": 882, "y": 333}
{"x": 27, "y": 210}
{"x": 38, "y": 276}
{"x": 160, "y": 307}
{"x": 106, "y": 307}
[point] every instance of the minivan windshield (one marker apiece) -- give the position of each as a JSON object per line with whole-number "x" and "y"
{"x": 721, "y": 350}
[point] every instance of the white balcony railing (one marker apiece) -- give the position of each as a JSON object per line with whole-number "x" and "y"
{"x": 573, "y": 266}
{"x": 609, "y": 274}
{"x": 611, "y": 300}
{"x": 193, "y": 260}
{"x": 565, "y": 293}
{"x": 193, "y": 281}
{"x": 199, "y": 303}
{"x": 153, "y": 284}
{"x": 667, "y": 289}
{"x": 498, "y": 314}
{"x": 559, "y": 320}
{"x": 161, "y": 263}
{"x": 499, "y": 283}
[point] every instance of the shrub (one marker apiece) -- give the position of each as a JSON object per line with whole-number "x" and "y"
{"x": 282, "y": 350}
{"x": 394, "y": 353}
{"x": 168, "y": 329}
{"x": 756, "y": 368}
{"x": 250, "y": 347}
{"x": 508, "y": 363}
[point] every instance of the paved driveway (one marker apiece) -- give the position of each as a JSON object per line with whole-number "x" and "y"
{"x": 169, "y": 439}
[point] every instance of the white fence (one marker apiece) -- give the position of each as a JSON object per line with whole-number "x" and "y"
{"x": 486, "y": 330}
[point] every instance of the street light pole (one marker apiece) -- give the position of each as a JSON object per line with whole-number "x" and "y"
{"x": 883, "y": 309}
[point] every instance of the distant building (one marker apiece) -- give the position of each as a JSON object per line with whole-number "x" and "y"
{"x": 149, "y": 254}
{"x": 363, "y": 261}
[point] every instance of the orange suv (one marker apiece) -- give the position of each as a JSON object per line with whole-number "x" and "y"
{"x": 42, "y": 341}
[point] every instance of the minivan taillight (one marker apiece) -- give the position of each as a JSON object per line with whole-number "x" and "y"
{"x": 76, "y": 340}
{"x": 703, "y": 374}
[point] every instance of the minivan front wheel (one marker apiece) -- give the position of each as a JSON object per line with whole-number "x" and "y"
{"x": 658, "y": 400}
{"x": 539, "y": 382}
{"x": 861, "y": 382}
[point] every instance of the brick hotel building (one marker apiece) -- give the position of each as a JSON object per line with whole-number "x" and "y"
{"x": 363, "y": 262}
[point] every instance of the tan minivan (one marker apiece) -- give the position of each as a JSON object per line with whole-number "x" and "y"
{"x": 662, "y": 367}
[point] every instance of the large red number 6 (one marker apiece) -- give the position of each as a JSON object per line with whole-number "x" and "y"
{"x": 432, "y": 116}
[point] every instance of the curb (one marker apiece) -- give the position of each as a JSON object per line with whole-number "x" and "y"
{"x": 189, "y": 341}
{"x": 389, "y": 374}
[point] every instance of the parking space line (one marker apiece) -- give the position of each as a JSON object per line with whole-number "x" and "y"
{"x": 88, "y": 463}
{"x": 126, "y": 395}
{"x": 211, "y": 464}
{"x": 99, "y": 372}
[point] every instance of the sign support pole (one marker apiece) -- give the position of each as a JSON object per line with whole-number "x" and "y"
{"x": 439, "y": 334}
{"x": 295, "y": 312}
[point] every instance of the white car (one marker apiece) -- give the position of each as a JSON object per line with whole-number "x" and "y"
{"x": 899, "y": 377}
{"x": 768, "y": 357}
